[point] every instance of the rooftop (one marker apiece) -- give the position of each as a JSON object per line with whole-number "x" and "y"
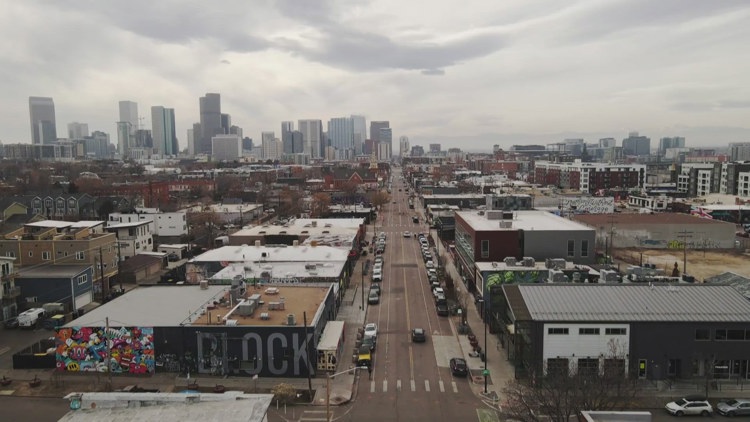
{"x": 606, "y": 220}
{"x": 192, "y": 305}
{"x": 276, "y": 253}
{"x": 522, "y": 220}
{"x": 538, "y": 266}
{"x": 281, "y": 270}
{"x": 52, "y": 271}
{"x": 348, "y": 226}
{"x": 131, "y": 224}
{"x": 634, "y": 302}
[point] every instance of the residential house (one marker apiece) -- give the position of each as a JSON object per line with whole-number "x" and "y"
{"x": 133, "y": 238}
{"x": 71, "y": 285}
{"x": 9, "y": 292}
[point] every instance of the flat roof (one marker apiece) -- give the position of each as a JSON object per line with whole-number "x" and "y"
{"x": 87, "y": 223}
{"x": 634, "y": 302}
{"x": 281, "y": 270}
{"x": 456, "y": 196}
{"x": 337, "y": 226}
{"x": 538, "y": 266}
{"x": 130, "y": 224}
{"x": 606, "y": 220}
{"x": 275, "y": 253}
{"x": 50, "y": 223}
{"x": 52, "y": 271}
{"x": 524, "y": 219}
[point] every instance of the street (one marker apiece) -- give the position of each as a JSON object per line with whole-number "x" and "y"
{"x": 410, "y": 381}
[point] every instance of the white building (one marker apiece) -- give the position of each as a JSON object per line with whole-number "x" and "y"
{"x": 312, "y": 136}
{"x": 226, "y": 147}
{"x": 739, "y": 151}
{"x": 403, "y": 146}
{"x": 133, "y": 238}
{"x": 272, "y": 146}
{"x": 166, "y": 224}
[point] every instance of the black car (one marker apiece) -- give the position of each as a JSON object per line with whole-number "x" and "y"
{"x": 459, "y": 367}
{"x": 11, "y": 323}
{"x": 442, "y": 309}
{"x": 418, "y": 335}
{"x": 375, "y": 288}
{"x": 371, "y": 342}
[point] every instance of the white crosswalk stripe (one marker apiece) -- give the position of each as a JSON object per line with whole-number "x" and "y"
{"x": 372, "y": 386}
{"x": 442, "y": 386}
{"x": 399, "y": 386}
{"x": 385, "y": 386}
{"x": 455, "y": 387}
{"x": 413, "y": 386}
{"x": 427, "y": 385}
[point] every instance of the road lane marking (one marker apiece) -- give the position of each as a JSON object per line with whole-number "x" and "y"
{"x": 413, "y": 386}
{"x": 385, "y": 386}
{"x": 442, "y": 386}
{"x": 455, "y": 387}
{"x": 398, "y": 385}
{"x": 372, "y": 386}
{"x": 427, "y": 385}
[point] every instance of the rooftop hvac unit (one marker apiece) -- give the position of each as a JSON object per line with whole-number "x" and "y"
{"x": 608, "y": 276}
{"x": 576, "y": 277}
{"x": 528, "y": 261}
{"x": 204, "y": 284}
{"x": 231, "y": 322}
{"x": 254, "y": 297}
{"x": 314, "y": 223}
{"x": 557, "y": 276}
{"x": 506, "y": 224}
{"x": 310, "y": 266}
{"x": 507, "y": 215}
{"x": 291, "y": 320}
{"x": 510, "y": 261}
{"x": 246, "y": 308}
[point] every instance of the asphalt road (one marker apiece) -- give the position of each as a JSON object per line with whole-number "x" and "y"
{"x": 410, "y": 381}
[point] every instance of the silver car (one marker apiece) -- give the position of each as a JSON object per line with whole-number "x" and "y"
{"x": 734, "y": 407}
{"x": 690, "y": 405}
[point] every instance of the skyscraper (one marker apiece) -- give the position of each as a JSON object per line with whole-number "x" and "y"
{"x": 210, "y": 109}
{"x": 636, "y": 145}
{"x": 666, "y": 143}
{"x": 403, "y": 146}
{"x": 42, "y": 117}
{"x": 375, "y": 129}
{"x": 359, "y": 129}
{"x": 77, "y": 130}
{"x": 341, "y": 135}
{"x": 385, "y": 139}
{"x": 312, "y": 137}
{"x": 126, "y": 127}
{"x": 163, "y": 131}
{"x": 287, "y": 142}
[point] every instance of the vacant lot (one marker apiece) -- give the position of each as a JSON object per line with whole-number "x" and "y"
{"x": 700, "y": 264}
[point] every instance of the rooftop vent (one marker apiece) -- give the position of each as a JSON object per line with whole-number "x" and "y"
{"x": 291, "y": 320}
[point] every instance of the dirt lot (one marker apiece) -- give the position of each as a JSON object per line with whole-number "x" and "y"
{"x": 700, "y": 264}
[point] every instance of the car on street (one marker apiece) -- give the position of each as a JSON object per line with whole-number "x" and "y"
{"x": 375, "y": 288}
{"x": 442, "y": 309}
{"x": 690, "y": 405}
{"x": 371, "y": 342}
{"x": 377, "y": 276}
{"x": 429, "y": 264}
{"x": 373, "y": 298}
{"x": 407, "y": 234}
{"x": 440, "y": 299}
{"x": 438, "y": 291}
{"x": 371, "y": 329}
{"x": 459, "y": 367}
{"x": 379, "y": 260}
{"x": 734, "y": 407}
{"x": 418, "y": 335}
{"x": 11, "y": 323}
{"x": 415, "y": 220}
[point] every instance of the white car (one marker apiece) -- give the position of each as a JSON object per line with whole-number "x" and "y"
{"x": 690, "y": 405}
{"x": 407, "y": 234}
{"x": 377, "y": 276}
{"x": 438, "y": 291}
{"x": 371, "y": 329}
{"x": 430, "y": 264}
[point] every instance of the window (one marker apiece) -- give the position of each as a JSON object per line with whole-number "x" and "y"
{"x": 720, "y": 335}
{"x": 82, "y": 279}
{"x": 735, "y": 334}
{"x": 557, "y": 330}
{"x": 46, "y": 255}
{"x": 557, "y": 367}
{"x": 485, "y": 249}
{"x": 588, "y": 366}
{"x": 584, "y": 248}
{"x": 80, "y": 255}
{"x": 31, "y": 253}
{"x": 571, "y": 248}
{"x": 615, "y": 331}
{"x": 614, "y": 367}
{"x": 588, "y": 331}
{"x": 11, "y": 254}
{"x": 703, "y": 334}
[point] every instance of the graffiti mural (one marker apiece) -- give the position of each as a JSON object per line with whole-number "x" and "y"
{"x": 87, "y": 349}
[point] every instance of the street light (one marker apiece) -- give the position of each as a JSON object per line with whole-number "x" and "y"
{"x": 363, "y": 284}
{"x": 484, "y": 318}
{"x": 328, "y": 389}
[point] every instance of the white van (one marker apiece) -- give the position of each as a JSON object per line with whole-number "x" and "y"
{"x": 30, "y": 318}
{"x": 377, "y": 276}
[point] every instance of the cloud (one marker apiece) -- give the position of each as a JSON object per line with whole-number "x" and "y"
{"x": 433, "y": 72}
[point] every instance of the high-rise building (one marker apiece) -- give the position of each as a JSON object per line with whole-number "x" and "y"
{"x": 673, "y": 142}
{"x": 417, "y": 151}
{"x": 236, "y": 130}
{"x": 403, "y": 146}
{"x": 739, "y": 151}
{"x": 163, "y": 131}
{"x": 96, "y": 145}
{"x": 268, "y": 145}
{"x": 341, "y": 134}
{"x": 194, "y": 146}
{"x": 42, "y": 117}
{"x": 312, "y": 137}
{"x": 78, "y": 130}
{"x": 287, "y": 142}
{"x": 607, "y": 142}
{"x": 375, "y": 129}
{"x": 298, "y": 143}
{"x": 385, "y": 138}
{"x": 435, "y": 148}
{"x": 636, "y": 145}
{"x": 359, "y": 133}
{"x": 226, "y": 122}
{"x": 126, "y": 127}
{"x": 211, "y": 122}
{"x": 191, "y": 142}
{"x": 226, "y": 147}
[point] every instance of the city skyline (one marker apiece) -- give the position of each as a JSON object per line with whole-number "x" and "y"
{"x": 505, "y": 73}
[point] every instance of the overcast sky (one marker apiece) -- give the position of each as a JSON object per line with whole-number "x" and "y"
{"x": 482, "y": 71}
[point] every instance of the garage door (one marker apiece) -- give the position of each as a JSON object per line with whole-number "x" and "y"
{"x": 83, "y": 300}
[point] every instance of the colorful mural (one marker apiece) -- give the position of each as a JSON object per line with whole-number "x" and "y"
{"x": 85, "y": 349}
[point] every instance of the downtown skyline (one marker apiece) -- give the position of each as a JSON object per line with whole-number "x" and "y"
{"x": 516, "y": 72}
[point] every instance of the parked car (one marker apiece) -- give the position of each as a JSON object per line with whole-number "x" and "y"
{"x": 374, "y": 298}
{"x": 442, "y": 309}
{"x": 690, "y": 405}
{"x": 371, "y": 342}
{"x": 429, "y": 264}
{"x": 371, "y": 329}
{"x": 734, "y": 407}
{"x": 438, "y": 291}
{"x": 379, "y": 260}
{"x": 377, "y": 276}
{"x": 418, "y": 335}
{"x": 375, "y": 288}
{"x": 459, "y": 367}
{"x": 441, "y": 300}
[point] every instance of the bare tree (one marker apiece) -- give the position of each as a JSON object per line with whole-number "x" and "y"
{"x": 290, "y": 203}
{"x": 320, "y": 203}
{"x": 379, "y": 198}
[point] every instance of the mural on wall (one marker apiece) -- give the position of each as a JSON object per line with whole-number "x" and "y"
{"x": 513, "y": 277}
{"x": 86, "y": 349}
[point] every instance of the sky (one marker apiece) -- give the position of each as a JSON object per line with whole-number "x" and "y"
{"x": 468, "y": 74}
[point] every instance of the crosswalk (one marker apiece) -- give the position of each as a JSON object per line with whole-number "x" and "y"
{"x": 413, "y": 386}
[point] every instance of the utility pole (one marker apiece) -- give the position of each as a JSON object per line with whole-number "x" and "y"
{"x": 107, "y": 348}
{"x": 684, "y": 236}
{"x": 105, "y": 291}
{"x": 307, "y": 352}
{"x": 363, "y": 285}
